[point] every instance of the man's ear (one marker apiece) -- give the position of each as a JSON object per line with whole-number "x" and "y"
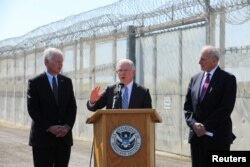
{"x": 134, "y": 72}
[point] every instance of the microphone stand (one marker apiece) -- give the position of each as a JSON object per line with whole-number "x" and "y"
{"x": 117, "y": 98}
{"x": 91, "y": 154}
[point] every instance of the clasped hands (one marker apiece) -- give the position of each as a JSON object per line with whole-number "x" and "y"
{"x": 199, "y": 129}
{"x": 59, "y": 130}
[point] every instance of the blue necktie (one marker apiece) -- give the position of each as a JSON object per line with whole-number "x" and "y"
{"x": 125, "y": 98}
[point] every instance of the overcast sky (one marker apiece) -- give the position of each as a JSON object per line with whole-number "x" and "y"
{"x": 18, "y": 17}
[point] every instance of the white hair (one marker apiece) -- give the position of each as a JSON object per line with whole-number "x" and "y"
{"x": 130, "y": 62}
{"x": 211, "y": 51}
{"x": 49, "y": 53}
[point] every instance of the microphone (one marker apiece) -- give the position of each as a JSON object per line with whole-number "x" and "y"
{"x": 116, "y": 99}
{"x": 120, "y": 86}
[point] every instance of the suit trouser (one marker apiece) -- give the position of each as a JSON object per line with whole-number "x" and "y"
{"x": 56, "y": 156}
{"x": 199, "y": 152}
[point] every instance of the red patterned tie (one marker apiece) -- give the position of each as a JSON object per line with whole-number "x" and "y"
{"x": 205, "y": 86}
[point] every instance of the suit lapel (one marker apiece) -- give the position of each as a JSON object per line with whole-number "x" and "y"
{"x": 47, "y": 87}
{"x": 132, "y": 100}
{"x": 213, "y": 81}
{"x": 60, "y": 88}
{"x": 198, "y": 85}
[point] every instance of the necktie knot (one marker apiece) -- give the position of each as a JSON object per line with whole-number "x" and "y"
{"x": 208, "y": 77}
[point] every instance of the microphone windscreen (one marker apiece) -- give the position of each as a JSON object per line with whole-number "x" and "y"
{"x": 121, "y": 84}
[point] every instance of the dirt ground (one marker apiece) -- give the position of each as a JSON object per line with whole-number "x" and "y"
{"x": 15, "y": 152}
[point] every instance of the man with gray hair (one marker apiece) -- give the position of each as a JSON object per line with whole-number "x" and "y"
{"x": 124, "y": 94}
{"x": 209, "y": 103}
{"x": 52, "y": 108}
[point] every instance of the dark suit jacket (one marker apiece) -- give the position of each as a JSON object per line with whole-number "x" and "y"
{"x": 140, "y": 98}
{"x": 45, "y": 112}
{"x": 215, "y": 109}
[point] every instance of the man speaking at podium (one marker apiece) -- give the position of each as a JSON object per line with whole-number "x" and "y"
{"x": 125, "y": 94}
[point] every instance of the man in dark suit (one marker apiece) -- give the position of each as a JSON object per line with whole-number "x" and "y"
{"x": 209, "y": 103}
{"x": 52, "y": 108}
{"x": 125, "y": 94}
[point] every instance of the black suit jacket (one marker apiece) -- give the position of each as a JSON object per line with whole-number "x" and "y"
{"x": 45, "y": 112}
{"x": 215, "y": 109}
{"x": 140, "y": 98}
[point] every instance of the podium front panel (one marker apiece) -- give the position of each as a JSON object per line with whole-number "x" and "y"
{"x": 124, "y": 139}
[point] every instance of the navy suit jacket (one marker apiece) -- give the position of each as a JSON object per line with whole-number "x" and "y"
{"x": 140, "y": 98}
{"x": 45, "y": 112}
{"x": 215, "y": 109}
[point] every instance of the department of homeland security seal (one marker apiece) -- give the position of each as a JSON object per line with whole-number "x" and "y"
{"x": 125, "y": 140}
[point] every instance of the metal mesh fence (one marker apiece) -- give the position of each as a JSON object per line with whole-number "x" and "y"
{"x": 168, "y": 37}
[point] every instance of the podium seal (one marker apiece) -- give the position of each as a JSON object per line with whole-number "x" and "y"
{"x": 125, "y": 140}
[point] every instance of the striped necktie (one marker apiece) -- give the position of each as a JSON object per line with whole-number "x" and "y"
{"x": 125, "y": 98}
{"x": 205, "y": 86}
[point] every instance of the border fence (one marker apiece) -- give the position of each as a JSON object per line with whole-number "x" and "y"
{"x": 162, "y": 37}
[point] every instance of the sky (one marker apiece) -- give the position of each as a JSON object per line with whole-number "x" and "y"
{"x": 18, "y": 17}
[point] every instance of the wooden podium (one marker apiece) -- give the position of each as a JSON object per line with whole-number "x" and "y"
{"x": 124, "y": 138}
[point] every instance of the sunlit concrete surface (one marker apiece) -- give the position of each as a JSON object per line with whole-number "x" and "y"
{"x": 15, "y": 152}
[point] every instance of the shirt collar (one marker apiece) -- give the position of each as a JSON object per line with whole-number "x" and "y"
{"x": 49, "y": 75}
{"x": 212, "y": 71}
{"x": 130, "y": 85}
